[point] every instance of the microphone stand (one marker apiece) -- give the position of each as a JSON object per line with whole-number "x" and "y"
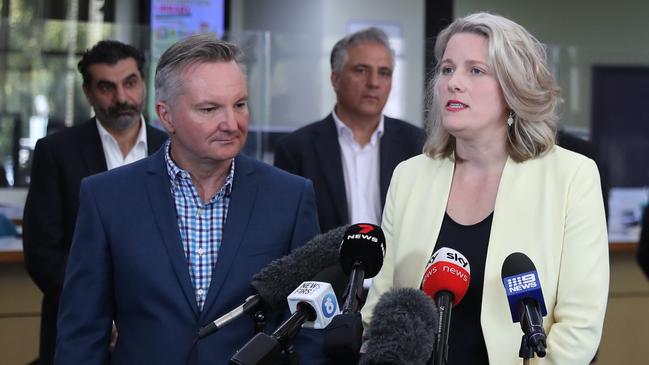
{"x": 266, "y": 349}
{"x": 444, "y": 302}
{"x": 525, "y": 352}
{"x": 533, "y": 340}
{"x": 259, "y": 317}
{"x": 355, "y": 289}
{"x": 343, "y": 336}
{"x": 527, "y": 349}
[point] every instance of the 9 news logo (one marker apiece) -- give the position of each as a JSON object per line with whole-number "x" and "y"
{"x": 521, "y": 283}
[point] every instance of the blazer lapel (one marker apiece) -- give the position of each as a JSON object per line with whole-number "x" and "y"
{"x": 92, "y": 148}
{"x": 242, "y": 201}
{"x": 389, "y": 156}
{"x": 329, "y": 158}
{"x": 153, "y": 140}
{"x": 159, "y": 191}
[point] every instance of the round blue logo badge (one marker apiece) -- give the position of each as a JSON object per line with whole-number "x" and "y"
{"x": 329, "y": 305}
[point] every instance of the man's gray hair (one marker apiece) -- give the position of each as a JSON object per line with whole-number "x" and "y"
{"x": 369, "y": 35}
{"x": 196, "y": 49}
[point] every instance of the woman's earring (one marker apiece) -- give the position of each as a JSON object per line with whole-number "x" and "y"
{"x": 510, "y": 120}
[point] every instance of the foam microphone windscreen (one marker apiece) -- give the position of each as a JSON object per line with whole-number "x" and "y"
{"x": 448, "y": 270}
{"x": 364, "y": 244}
{"x": 402, "y": 330}
{"x": 277, "y": 280}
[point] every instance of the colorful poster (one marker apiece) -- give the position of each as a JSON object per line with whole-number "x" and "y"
{"x": 174, "y": 20}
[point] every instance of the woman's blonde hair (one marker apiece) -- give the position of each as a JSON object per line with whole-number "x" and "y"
{"x": 520, "y": 66}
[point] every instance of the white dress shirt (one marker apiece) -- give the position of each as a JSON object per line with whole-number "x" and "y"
{"x": 361, "y": 173}
{"x": 113, "y": 154}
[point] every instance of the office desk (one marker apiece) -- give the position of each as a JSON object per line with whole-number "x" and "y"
{"x": 11, "y": 250}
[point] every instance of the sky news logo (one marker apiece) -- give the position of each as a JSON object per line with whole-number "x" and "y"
{"x": 521, "y": 283}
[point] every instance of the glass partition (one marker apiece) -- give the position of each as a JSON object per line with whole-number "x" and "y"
{"x": 287, "y": 74}
{"x": 40, "y": 87}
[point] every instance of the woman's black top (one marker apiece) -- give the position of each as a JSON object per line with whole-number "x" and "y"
{"x": 466, "y": 343}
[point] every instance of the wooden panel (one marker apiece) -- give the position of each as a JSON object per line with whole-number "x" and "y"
{"x": 19, "y": 340}
{"x": 626, "y": 330}
{"x": 626, "y": 327}
{"x": 18, "y": 293}
{"x": 11, "y": 257}
{"x": 626, "y": 277}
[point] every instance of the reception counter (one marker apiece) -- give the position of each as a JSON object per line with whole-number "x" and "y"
{"x": 20, "y": 308}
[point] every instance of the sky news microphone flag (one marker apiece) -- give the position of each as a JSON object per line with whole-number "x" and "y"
{"x": 446, "y": 280}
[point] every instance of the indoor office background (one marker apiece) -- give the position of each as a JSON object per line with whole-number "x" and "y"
{"x": 598, "y": 50}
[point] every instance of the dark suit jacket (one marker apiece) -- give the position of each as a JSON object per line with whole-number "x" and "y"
{"x": 127, "y": 264}
{"x": 643, "y": 246}
{"x": 313, "y": 152}
{"x": 59, "y": 163}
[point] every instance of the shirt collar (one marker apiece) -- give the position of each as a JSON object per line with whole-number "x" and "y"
{"x": 176, "y": 174}
{"x": 106, "y": 136}
{"x": 344, "y": 130}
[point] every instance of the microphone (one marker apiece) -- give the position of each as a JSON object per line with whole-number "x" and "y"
{"x": 361, "y": 256}
{"x": 313, "y": 304}
{"x": 402, "y": 330}
{"x": 277, "y": 280}
{"x": 446, "y": 280}
{"x": 526, "y": 303}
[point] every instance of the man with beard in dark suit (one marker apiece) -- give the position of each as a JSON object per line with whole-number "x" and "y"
{"x": 113, "y": 82}
{"x": 350, "y": 155}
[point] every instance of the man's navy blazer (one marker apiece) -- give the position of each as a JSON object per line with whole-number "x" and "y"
{"x": 127, "y": 264}
{"x": 313, "y": 151}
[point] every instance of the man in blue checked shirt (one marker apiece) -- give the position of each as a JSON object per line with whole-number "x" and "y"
{"x": 166, "y": 245}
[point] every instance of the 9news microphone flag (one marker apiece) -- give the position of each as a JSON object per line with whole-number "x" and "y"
{"x": 526, "y": 303}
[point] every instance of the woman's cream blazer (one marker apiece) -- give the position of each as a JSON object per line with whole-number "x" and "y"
{"x": 549, "y": 208}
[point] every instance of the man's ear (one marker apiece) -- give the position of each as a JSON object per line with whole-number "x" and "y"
{"x": 164, "y": 114}
{"x": 86, "y": 92}
{"x": 334, "y": 80}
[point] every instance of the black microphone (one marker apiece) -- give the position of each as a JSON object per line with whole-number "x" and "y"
{"x": 526, "y": 302}
{"x": 361, "y": 256}
{"x": 277, "y": 280}
{"x": 402, "y": 330}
